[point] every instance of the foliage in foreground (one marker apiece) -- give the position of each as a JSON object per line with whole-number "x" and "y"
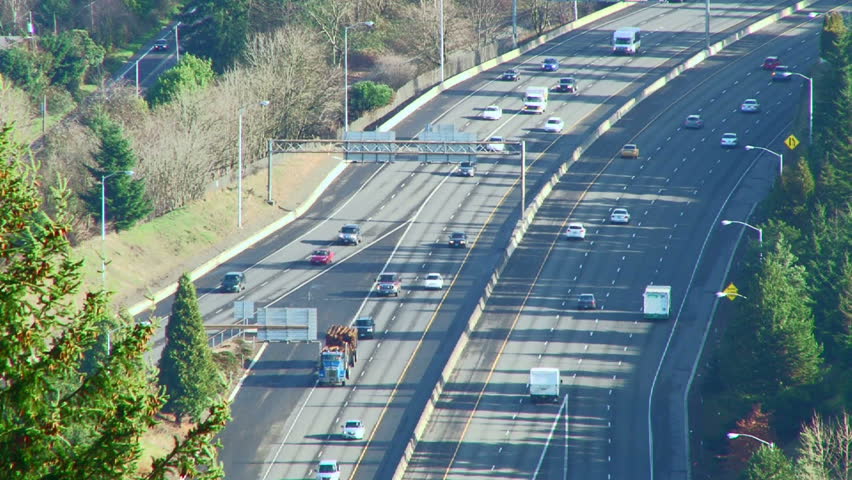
{"x": 63, "y": 415}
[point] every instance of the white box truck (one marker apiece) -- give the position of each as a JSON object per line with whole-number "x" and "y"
{"x": 535, "y": 100}
{"x": 544, "y": 384}
{"x": 657, "y": 301}
{"x": 626, "y": 41}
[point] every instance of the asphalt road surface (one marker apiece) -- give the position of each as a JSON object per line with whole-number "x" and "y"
{"x": 282, "y": 423}
{"x": 677, "y": 191}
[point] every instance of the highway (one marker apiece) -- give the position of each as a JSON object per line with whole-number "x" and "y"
{"x": 484, "y": 425}
{"x": 283, "y": 425}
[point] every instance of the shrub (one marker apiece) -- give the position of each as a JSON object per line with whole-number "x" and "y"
{"x": 367, "y": 96}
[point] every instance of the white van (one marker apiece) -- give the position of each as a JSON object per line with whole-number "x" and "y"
{"x": 626, "y": 41}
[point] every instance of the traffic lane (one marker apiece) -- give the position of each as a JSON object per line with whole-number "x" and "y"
{"x": 416, "y": 313}
{"x": 434, "y": 111}
{"x": 723, "y": 171}
{"x": 276, "y": 274}
{"x": 411, "y": 250}
{"x": 348, "y": 182}
{"x": 415, "y": 388}
{"x": 262, "y": 405}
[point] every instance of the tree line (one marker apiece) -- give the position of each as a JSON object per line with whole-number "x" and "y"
{"x": 181, "y": 136}
{"x": 784, "y": 365}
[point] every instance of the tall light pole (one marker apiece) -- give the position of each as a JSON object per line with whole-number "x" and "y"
{"x": 780, "y": 157}
{"x": 177, "y": 43}
{"x": 346, "y": 28}
{"x": 441, "y": 35}
{"x": 733, "y": 435}
{"x": 242, "y": 110}
{"x": 758, "y": 230}
{"x": 137, "y": 69}
{"x": 810, "y": 106}
{"x": 103, "y": 220}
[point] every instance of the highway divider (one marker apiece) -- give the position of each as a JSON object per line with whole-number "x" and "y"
{"x": 539, "y": 198}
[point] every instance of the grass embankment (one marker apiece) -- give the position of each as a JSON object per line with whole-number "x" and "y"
{"x": 152, "y": 255}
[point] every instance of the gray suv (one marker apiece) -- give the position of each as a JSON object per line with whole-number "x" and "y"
{"x": 350, "y": 234}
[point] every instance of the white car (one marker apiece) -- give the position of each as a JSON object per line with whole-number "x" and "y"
{"x": 575, "y": 230}
{"x": 353, "y": 430}
{"x": 554, "y": 124}
{"x": 492, "y": 112}
{"x": 433, "y": 281}
{"x": 328, "y": 470}
{"x": 495, "y": 144}
{"x": 750, "y": 105}
{"x": 619, "y": 215}
{"x": 729, "y": 140}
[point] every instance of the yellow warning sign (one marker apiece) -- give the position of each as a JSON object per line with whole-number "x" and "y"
{"x": 731, "y": 291}
{"x": 792, "y": 142}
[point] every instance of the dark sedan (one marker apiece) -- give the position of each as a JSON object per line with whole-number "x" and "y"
{"x": 512, "y": 75}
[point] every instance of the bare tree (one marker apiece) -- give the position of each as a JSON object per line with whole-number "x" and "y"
{"x": 16, "y": 108}
{"x": 825, "y": 451}
{"x": 330, "y": 16}
{"x": 487, "y": 17}
{"x": 418, "y": 34}
{"x": 305, "y": 95}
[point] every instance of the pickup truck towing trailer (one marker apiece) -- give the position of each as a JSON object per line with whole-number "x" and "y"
{"x": 338, "y": 355}
{"x": 544, "y": 384}
{"x": 657, "y": 301}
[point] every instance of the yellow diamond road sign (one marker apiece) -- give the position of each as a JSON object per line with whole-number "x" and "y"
{"x": 731, "y": 291}
{"x": 792, "y": 142}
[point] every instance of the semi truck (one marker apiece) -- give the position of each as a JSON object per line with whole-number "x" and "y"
{"x": 535, "y": 100}
{"x": 657, "y": 301}
{"x": 544, "y": 384}
{"x": 338, "y": 355}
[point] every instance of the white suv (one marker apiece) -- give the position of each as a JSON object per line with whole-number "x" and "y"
{"x": 729, "y": 140}
{"x": 328, "y": 470}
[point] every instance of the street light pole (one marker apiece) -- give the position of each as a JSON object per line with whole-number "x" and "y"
{"x": 177, "y": 43}
{"x": 242, "y": 110}
{"x": 733, "y": 435}
{"x": 758, "y": 230}
{"x": 780, "y": 157}
{"x": 103, "y": 221}
{"x": 346, "y": 70}
{"x": 810, "y": 106}
{"x": 441, "y": 46}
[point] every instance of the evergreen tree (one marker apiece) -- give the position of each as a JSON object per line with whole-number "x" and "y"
{"x": 57, "y": 421}
{"x": 769, "y": 463}
{"x": 223, "y": 35}
{"x": 783, "y": 323}
{"x": 125, "y": 198}
{"x": 187, "y": 370}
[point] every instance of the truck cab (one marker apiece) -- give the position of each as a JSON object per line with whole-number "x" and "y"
{"x": 366, "y": 327}
{"x": 388, "y": 284}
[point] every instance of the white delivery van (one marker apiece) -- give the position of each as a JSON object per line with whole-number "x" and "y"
{"x": 626, "y": 41}
{"x": 535, "y": 100}
{"x": 544, "y": 384}
{"x": 657, "y": 301}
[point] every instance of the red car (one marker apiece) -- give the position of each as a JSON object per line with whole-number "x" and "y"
{"x": 322, "y": 256}
{"x": 769, "y": 63}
